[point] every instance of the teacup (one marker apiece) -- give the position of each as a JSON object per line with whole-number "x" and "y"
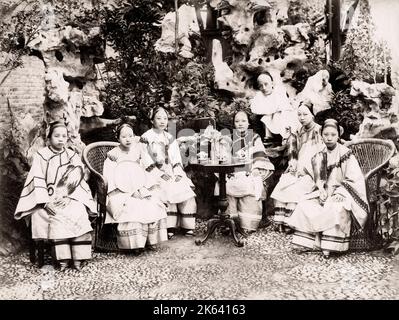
{"x": 223, "y": 159}
{"x": 202, "y": 157}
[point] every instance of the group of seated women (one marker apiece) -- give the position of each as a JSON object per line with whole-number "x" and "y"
{"x": 150, "y": 197}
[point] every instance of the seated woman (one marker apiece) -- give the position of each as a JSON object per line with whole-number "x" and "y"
{"x": 244, "y": 188}
{"x": 324, "y": 220}
{"x": 295, "y": 183}
{"x": 163, "y": 160}
{"x": 133, "y": 202}
{"x": 57, "y": 201}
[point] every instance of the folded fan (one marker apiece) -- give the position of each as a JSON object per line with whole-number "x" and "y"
{"x": 69, "y": 181}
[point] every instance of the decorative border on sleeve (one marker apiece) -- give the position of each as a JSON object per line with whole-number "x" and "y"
{"x": 356, "y": 196}
{"x": 177, "y": 165}
{"x": 255, "y": 137}
{"x": 344, "y": 158}
{"x": 71, "y": 153}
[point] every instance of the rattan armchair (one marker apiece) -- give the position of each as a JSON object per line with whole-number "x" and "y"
{"x": 94, "y": 156}
{"x": 373, "y": 155}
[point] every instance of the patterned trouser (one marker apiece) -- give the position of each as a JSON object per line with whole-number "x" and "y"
{"x": 182, "y": 214}
{"x": 248, "y": 209}
{"x": 282, "y": 211}
{"x": 134, "y": 235}
{"x": 78, "y": 248}
{"x": 333, "y": 239}
{"x": 309, "y": 217}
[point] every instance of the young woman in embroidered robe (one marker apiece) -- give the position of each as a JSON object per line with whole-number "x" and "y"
{"x": 133, "y": 202}
{"x": 245, "y": 187}
{"x": 324, "y": 222}
{"x": 294, "y": 184}
{"x": 163, "y": 160}
{"x": 57, "y": 201}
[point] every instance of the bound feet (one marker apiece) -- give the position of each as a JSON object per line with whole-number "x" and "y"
{"x": 63, "y": 265}
{"x": 186, "y": 232}
{"x": 247, "y": 232}
{"x": 171, "y": 233}
{"x": 326, "y": 254}
{"x": 189, "y": 233}
{"x": 76, "y": 264}
{"x": 137, "y": 252}
{"x": 284, "y": 229}
{"x": 151, "y": 247}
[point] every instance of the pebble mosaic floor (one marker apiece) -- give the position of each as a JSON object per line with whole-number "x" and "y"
{"x": 267, "y": 267}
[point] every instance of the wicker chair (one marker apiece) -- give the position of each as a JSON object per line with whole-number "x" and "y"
{"x": 93, "y": 156}
{"x": 373, "y": 155}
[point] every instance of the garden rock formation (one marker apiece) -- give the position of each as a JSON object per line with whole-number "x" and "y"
{"x": 380, "y": 108}
{"x": 187, "y": 26}
{"x": 259, "y": 44}
{"x": 278, "y": 37}
{"x": 57, "y": 81}
{"x": 70, "y": 55}
{"x": 264, "y": 36}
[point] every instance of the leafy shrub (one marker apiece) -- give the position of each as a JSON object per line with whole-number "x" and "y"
{"x": 344, "y": 109}
{"x": 363, "y": 56}
{"x": 143, "y": 78}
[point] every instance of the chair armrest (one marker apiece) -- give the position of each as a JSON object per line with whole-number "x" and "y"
{"x": 370, "y": 188}
{"x": 101, "y": 186}
{"x": 369, "y": 176}
{"x": 375, "y": 170}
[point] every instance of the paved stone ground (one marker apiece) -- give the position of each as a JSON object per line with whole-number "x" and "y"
{"x": 267, "y": 267}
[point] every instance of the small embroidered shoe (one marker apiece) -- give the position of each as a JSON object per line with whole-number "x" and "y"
{"x": 170, "y": 235}
{"x": 326, "y": 254}
{"x": 288, "y": 230}
{"x": 189, "y": 233}
{"x": 137, "y": 252}
{"x": 63, "y": 265}
{"x": 77, "y": 265}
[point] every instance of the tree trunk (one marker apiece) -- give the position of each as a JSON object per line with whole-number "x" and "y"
{"x": 177, "y": 27}
{"x": 336, "y": 29}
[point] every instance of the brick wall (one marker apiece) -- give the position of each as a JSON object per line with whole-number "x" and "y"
{"x": 25, "y": 89}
